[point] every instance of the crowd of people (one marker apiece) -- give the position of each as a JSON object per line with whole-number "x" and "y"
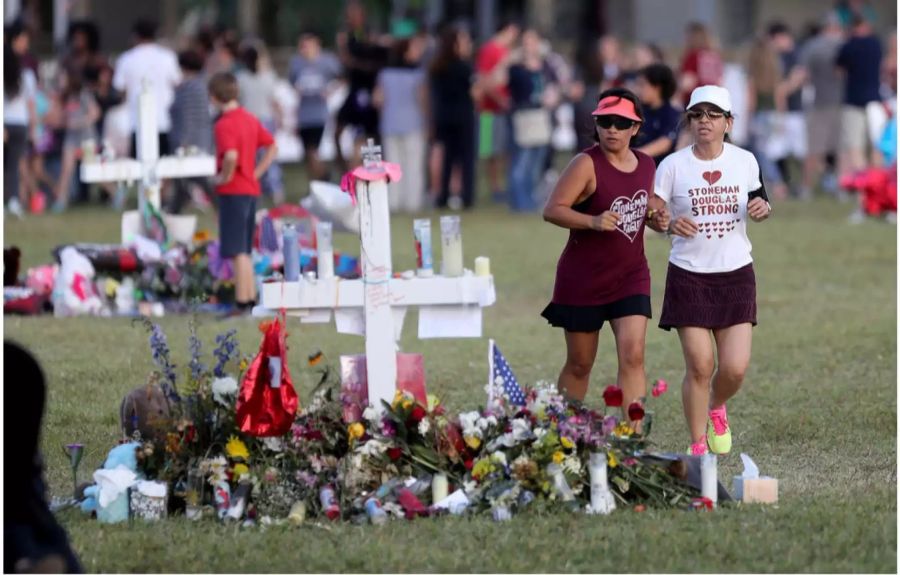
{"x": 817, "y": 104}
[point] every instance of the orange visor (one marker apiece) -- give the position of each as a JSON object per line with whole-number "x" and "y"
{"x": 616, "y": 106}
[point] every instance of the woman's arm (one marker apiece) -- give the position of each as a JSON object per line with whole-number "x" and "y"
{"x": 575, "y": 185}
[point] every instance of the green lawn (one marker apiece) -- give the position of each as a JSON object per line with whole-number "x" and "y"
{"x": 818, "y": 412}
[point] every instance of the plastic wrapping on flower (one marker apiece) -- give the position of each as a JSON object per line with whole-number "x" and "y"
{"x": 264, "y": 410}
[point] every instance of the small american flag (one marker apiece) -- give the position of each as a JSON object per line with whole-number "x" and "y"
{"x": 505, "y": 379}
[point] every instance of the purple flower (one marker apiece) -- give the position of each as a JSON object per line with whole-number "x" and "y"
{"x": 226, "y": 350}
{"x": 609, "y": 423}
{"x": 307, "y": 478}
{"x": 159, "y": 348}
{"x": 220, "y": 268}
{"x": 388, "y": 429}
{"x": 195, "y": 345}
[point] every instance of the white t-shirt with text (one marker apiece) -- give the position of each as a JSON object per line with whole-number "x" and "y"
{"x": 159, "y": 66}
{"x": 712, "y": 193}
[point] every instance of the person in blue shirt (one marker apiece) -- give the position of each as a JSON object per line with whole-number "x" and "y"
{"x": 655, "y": 86}
{"x": 860, "y": 60}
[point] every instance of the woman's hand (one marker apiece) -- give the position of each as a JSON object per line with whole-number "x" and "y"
{"x": 659, "y": 220}
{"x": 758, "y": 209}
{"x": 605, "y": 222}
{"x": 684, "y": 227}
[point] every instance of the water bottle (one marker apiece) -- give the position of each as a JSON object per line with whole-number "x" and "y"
{"x": 291, "y": 254}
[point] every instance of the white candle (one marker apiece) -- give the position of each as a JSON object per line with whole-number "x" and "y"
{"x": 451, "y": 247}
{"x": 709, "y": 477}
{"x": 602, "y": 501}
{"x": 325, "y": 248}
{"x": 482, "y": 266}
{"x": 439, "y": 488}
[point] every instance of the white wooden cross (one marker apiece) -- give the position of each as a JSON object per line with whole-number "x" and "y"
{"x": 149, "y": 169}
{"x": 378, "y": 299}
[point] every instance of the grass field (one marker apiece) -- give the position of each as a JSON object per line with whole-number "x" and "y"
{"x": 818, "y": 412}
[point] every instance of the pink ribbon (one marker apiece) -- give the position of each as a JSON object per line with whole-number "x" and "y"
{"x": 390, "y": 172}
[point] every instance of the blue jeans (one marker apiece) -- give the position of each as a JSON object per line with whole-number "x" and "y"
{"x": 525, "y": 169}
{"x": 271, "y": 181}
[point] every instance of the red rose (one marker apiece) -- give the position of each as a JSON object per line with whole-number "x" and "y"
{"x": 636, "y": 411}
{"x": 612, "y": 395}
{"x": 418, "y": 414}
{"x": 469, "y": 463}
{"x": 394, "y": 453}
{"x": 314, "y": 435}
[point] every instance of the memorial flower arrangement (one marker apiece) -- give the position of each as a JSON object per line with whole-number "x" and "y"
{"x": 401, "y": 460}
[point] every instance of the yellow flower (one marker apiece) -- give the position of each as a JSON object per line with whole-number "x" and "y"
{"x": 558, "y": 456}
{"x": 407, "y": 404}
{"x": 243, "y": 365}
{"x": 623, "y": 430}
{"x": 236, "y": 449}
{"x": 433, "y": 402}
{"x": 201, "y": 236}
{"x": 356, "y": 430}
{"x": 240, "y": 469}
{"x": 611, "y": 459}
{"x": 567, "y": 443}
{"x": 472, "y": 441}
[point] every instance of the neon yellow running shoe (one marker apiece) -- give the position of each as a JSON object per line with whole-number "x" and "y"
{"x": 718, "y": 433}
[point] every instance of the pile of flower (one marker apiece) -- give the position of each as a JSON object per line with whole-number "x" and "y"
{"x": 403, "y": 459}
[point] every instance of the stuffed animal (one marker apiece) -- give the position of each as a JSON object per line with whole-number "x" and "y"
{"x": 109, "y": 494}
{"x": 142, "y": 410}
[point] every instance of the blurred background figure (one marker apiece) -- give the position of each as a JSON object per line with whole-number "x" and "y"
{"x": 19, "y": 117}
{"x": 191, "y": 128}
{"x": 257, "y": 84}
{"x": 151, "y": 63}
{"x": 80, "y": 113}
{"x": 453, "y": 116}
{"x": 823, "y": 113}
{"x": 492, "y": 69}
{"x": 764, "y": 79}
{"x": 533, "y": 95}
{"x": 314, "y": 73}
{"x": 701, "y": 64}
{"x": 787, "y": 143}
{"x": 655, "y": 86}
{"x": 401, "y": 96}
{"x": 361, "y": 57}
{"x": 860, "y": 61}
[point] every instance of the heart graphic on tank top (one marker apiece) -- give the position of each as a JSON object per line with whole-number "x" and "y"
{"x": 712, "y": 177}
{"x": 631, "y": 213}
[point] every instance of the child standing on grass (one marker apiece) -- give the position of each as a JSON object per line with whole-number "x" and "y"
{"x": 238, "y": 135}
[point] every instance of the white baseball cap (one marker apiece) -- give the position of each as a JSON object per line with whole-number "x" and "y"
{"x": 715, "y": 95}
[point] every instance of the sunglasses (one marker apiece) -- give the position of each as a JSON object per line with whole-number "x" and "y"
{"x": 607, "y": 122}
{"x": 711, "y": 114}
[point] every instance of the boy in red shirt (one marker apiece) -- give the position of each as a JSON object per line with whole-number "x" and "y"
{"x": 238, "y": 135}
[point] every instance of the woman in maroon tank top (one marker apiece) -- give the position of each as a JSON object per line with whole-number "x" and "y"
{"x": 605, "y": 196}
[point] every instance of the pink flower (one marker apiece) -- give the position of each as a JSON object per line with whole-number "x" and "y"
{"x": 660, "y": 387}
{"x": 631, "y": 461}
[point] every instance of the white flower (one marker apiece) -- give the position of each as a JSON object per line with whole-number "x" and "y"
{"x": 273, "y": 444}
{"x": 424, "y": 426}
{"x": 469, "y": 423}
{"x": 500, "y": 458}
{"x": 539, "y": 433}
{"x": 224, "y": 389}
{"x": 373, "y": 448}
{"x": 485, "y": 422}
{"x": 572, "y": 465}
{"x": 371, "y": 415}
{"x": 521, "y": 429}
{"x": 469, "y": 486}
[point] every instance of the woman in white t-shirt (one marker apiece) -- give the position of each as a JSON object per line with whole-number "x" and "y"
{"x": 711, "y": 188}
{"x": 19, "y": 88}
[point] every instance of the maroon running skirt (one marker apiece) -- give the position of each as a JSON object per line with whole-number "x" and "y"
{"x": 712, "y": 301}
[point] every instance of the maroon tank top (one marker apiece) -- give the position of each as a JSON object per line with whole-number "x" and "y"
{"x": 598, "y": 268}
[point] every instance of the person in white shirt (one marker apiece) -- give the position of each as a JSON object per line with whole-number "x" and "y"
{"x": 710, "y": 189}
{"x": 158, "y": 66}
{"x": 19, "y": 120}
